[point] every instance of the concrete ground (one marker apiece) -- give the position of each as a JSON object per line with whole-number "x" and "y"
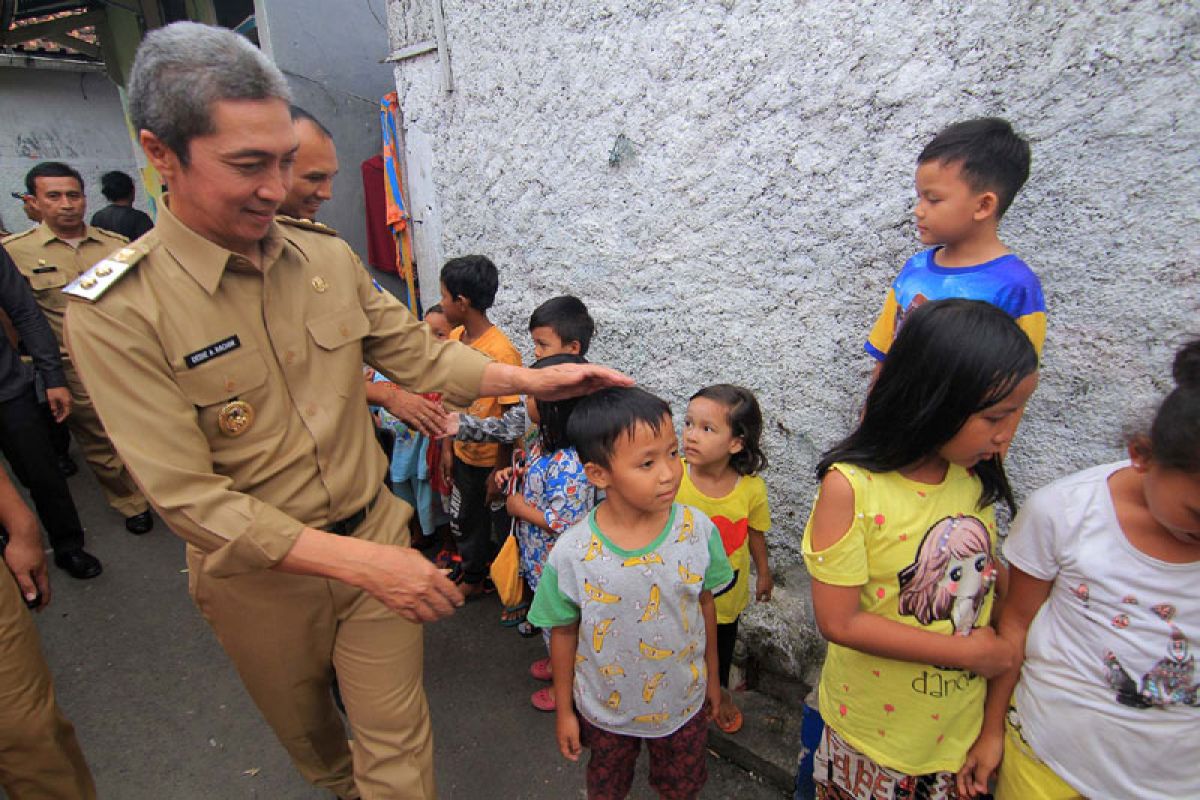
{"x": 160, "y": 712}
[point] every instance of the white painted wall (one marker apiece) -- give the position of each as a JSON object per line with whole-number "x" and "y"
{"x": 750, "y": 233}
{"x": 74, "y": 117}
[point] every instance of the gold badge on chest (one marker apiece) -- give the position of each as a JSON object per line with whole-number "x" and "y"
{"x": 319, "y": 284}
{"x": 235, "y": 417}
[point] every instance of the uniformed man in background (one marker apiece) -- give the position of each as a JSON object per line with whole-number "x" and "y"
{"x": 50, "y": 256}
{"x": 224, "y": 353}
{"x": 315, "y": 168}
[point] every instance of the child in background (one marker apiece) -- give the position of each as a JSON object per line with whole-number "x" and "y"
{"x": 469, "y": 285}
{"x": 636, "y": 578}
{"x": 1103, "y": 608}
{"x": 722, "y": 459}
{"x": 413, "y": 468}
{"x": 555, "y": 495}
{"x": 901, "y": 549}
{"x": 561, "y": 325}
{"x": 966, "y": 179}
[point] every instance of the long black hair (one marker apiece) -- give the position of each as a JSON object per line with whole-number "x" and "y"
{"x": 554, "y": 414}
{"x": 953, "y": 358}
{"x": 745, "y": 422}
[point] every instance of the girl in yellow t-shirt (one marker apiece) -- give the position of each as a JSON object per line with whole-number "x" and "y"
{"x": 722, "y": 459}
{"x": 901, "y": 548}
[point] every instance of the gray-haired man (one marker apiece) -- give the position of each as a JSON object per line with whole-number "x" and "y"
{"x": 224, "y": 352}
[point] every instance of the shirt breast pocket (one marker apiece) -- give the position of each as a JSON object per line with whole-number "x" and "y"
{"x": 47, "y": 286}
{"x": 237, "y": 375}
{"x": 338, "y": 356}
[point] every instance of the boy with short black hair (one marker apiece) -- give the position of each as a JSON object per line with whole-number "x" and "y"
{"x": 636, "y": 578}
{"x": 469, "y": 285}
{"x": 967, "y": 177}
{"x": 561, "y": 326}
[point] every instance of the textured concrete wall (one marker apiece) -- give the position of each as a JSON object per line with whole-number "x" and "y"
{"x": 728, "y": 185}
{"x": 60, "y": 116}
{"x": 331, "y": 54}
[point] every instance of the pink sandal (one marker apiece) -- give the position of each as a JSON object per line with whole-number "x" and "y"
{"x": 543, "y": 699}
{"x": 540, "y": 669}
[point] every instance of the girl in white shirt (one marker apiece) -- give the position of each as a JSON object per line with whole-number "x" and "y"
{"x": 1103, "y": 604}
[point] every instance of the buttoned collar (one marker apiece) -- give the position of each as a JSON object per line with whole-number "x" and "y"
{"x": 203, "y": 259}
{"x": 45, "y": 236}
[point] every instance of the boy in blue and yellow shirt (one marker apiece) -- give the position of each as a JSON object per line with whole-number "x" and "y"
{"x": 967, "y": 177}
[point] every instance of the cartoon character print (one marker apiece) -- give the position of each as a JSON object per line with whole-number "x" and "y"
{"x": 952, "y": 574}
{"x": 1171, "y": 681}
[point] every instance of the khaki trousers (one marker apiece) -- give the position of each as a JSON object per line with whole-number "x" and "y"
{"x": 119, "y": 487}
{"x": 286, "y": 634}
{"x": 39, "y": 756}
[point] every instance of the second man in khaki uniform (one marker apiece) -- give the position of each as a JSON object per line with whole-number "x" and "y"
{"x": 50, "y": 256}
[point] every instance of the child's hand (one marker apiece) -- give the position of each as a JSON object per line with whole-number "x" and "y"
{"x": 713, "y": 698}
{"x": 566, "y": 729}
{"x": 450, "y": 424}
{"x": 501, "y": 477}
{"x": 763, "y": 587}
{"x": 990, "y": 655}
{"x": 982, "y": 760}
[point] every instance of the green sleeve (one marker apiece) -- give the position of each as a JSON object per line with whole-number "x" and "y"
{"x": 719, "y": 573}
{"x": 551, "y": 608}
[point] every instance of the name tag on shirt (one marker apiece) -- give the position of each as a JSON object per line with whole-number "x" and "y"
{"x": 215, "y": 349}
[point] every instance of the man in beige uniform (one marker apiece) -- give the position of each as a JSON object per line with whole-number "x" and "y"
{"x": 39, "y": 755}
{"x": 50, "y": 256}
{"x": 224, "y": 353}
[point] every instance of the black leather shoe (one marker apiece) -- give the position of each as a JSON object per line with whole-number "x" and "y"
{"x": 67, "y": 466}
{"x": 78, "y": 564}
{"x": 139, "y": 523}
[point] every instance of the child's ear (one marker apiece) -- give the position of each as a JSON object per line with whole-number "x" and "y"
{"x": 596, "y": 475}
{"x": 1139, "y": 453}
{"x": 987, "y": 204}
{"x": 737, "y": 445}
{"x": 573, "y": 348}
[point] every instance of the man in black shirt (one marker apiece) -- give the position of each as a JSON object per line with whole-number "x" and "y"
{"x": 120, "y": 216}
{"x": 24, "y": 436}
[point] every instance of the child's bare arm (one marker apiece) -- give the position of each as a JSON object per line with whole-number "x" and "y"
{"x": 713, "y": 691}
{"x": 765, "y": 582}
{"x": 564, "y": 641}
{"x": 1025, "y": 597}
{"x": 841, "y": 619}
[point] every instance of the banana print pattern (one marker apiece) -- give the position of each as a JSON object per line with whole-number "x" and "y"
{"x": 653, "y": 605}
{"x": 651, "y": 686}
{"x": 640, "y": 659}
{"x": 599, "y": 595}
{"x": 599, "y": 631}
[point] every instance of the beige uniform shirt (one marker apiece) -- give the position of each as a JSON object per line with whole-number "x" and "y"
{"x": 49, "y": 264}
{"x": 191, "y": 328}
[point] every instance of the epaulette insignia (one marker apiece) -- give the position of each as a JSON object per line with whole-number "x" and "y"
{"x": 100, "y": 278}
{"x": 12, "y": 237}
{"x": 305, "y": 224}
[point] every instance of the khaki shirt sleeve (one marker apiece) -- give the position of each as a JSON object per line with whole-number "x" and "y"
{"x": 404, "y": 348}
{"x": 155, "y": 430}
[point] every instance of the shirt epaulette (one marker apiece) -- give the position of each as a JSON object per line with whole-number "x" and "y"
{"x": 305, "y": 224}
{"x": 105, "y": 273}
{"x": 12, "y": 237}
{"x": 106, "y": 233}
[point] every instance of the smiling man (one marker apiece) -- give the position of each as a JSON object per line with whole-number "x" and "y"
{"x": 224, "y": 351}
{"x": 314, "y": 169}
